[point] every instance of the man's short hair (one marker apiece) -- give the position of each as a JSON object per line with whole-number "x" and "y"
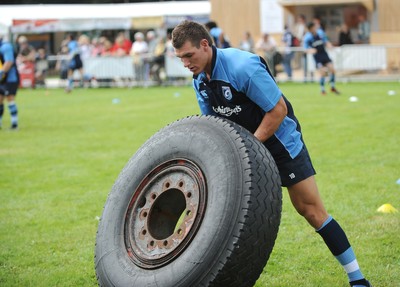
{"x": 210, "y": 25}
{"x": 310, "y": 25}
{"x": 190, "y": 31}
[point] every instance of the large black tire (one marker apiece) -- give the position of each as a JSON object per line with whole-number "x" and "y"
{"x": 199, "y": 204}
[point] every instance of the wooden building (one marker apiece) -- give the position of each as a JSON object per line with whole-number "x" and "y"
{"x": 236, "y": 17}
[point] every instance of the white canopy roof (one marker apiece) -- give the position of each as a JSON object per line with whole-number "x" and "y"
{"x": 111, "y": 12}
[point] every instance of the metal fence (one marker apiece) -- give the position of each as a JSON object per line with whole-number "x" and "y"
{"x": 352, "y": 63}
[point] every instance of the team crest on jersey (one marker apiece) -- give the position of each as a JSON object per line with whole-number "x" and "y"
{"x": 227, "y": 93}
{"x": 204, "y": 94}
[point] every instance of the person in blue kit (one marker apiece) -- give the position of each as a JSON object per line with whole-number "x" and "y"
{"x": 238, "y": 85}
{"x": 314, "y": 43}
{"x": 9, "y": 82}
{"x": 75, "y": 62}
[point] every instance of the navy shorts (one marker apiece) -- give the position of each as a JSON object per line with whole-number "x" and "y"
{"x": 9, "y": 89}
{"x": 75, "y": 63}
{"x": 321, "y": 64}
{"x": 295, "y": 170}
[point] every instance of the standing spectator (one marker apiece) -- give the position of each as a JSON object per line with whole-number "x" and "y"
{"x": 315, "y": 44}
{"x": 119, "y": 47}
{"x": 266, "y": 46}
{"x": 127, "y": 44}
{"x": 300, "y": 29}
{"x": 62, "y": 62}
{"x": 9, "y": 81}
{"x": 152, "y": 41}
{"x": 75, "y": 62}
{"x": 25, "y": 51}
{"x": 25, "y": 61}
{"x": 364, "y": 29}
{"x": 97, "y": 46}
{"x": 85, "y": 47}
{"x": 138, "y": 52}
{"x": 218, "y": 35}
{"x": 157, "y": 57}
{"x": 344, "y": 35}
{"x": 41, "y": 67}
{"x": 223, "y": 41}
{"x": 287, "y": 40}
{"x": 106, "y": 47}
{"x": 247, "y": 44}
{"x": 85, "y": 51}
{"x": 320, "y": 27}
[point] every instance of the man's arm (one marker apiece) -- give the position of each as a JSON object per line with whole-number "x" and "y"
{"x": 307, "y": 45}
{"x": 7, "y": 66}
{"x": 9, "y": 59}
{"x": 271, "y": 121}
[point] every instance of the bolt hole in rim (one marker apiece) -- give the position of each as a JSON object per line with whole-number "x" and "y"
{"x": 165, "y": 213}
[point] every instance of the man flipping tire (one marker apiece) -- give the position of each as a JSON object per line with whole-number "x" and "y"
{"x": 238, "y": 85}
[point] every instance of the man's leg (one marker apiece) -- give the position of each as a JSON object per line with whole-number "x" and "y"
{"x": 1, "y": 109}
{"x": 70, "y": 81}
{"x": 322, "y": 74}
{"x": 12, "y": 107}
{"x": 332, "y": 80}
{"x": 307, "y": 201}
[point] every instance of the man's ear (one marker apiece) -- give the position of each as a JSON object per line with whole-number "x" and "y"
{"x": 204, "y": 43}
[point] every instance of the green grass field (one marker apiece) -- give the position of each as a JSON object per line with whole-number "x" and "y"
{"x": 57, "y": 169}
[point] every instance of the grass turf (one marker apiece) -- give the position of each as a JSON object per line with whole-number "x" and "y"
{"x": 58, "y": 168}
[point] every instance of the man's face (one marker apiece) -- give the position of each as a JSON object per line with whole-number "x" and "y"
{"x": 313, "y": 29}
{"x": 193, "y": 58}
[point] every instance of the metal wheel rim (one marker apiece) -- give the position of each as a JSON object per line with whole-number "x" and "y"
{"x": 165, "y": 213}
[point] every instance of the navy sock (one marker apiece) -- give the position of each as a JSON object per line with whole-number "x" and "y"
{"x": 13, "y": 112}
{"x": 1, "y": 110}
{"x": 337, "y": 242}
{"x": 332, "y": 80}
{"x": 322, "y": 83}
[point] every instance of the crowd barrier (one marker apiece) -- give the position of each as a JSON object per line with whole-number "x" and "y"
{"x": 109, "y": 67}
{"x": 355, "y": 57}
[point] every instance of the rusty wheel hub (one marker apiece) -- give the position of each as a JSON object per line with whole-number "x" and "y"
{"x": 165, "y": 212}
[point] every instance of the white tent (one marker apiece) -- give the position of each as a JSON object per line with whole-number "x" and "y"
{"x": 39, "y": 18}
{"x": 3, "y": 29}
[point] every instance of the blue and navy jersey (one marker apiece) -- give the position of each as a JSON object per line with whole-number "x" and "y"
{"x": 7, "y": 55}
{"x": 73, "y": 47}
{"x": 242, "y": 90}
{"x": 317, "y": 41}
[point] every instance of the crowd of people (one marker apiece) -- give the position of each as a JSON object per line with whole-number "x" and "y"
{"x": 147, "y": 50}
